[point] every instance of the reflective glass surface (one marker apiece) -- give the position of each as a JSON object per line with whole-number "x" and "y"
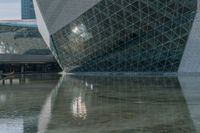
{"x": 77, "y": 104}
{"x": 21, "y": 38}
{"x": 126, "y": 35}
{"x": 27, "y": 9}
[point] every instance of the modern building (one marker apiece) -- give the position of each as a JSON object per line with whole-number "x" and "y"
{"x": 23, "y": 50}
{"x": 27, "y": 9}
{"x": 158, "y": 36}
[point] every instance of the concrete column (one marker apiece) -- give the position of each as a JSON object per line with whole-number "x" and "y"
{"x": 10, "y": 67}
{"x": 3, "y": 82}
{"x": 22, "y": 68}
{"x": 45, "y": 68}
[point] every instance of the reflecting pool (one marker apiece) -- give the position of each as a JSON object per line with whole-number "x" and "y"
{"x": 50, "y": 103}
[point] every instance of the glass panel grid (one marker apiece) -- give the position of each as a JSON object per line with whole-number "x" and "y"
{"x": 127, "y": 35}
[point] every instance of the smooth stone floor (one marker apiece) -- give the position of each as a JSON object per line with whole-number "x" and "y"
{"x": 51, "y": 103}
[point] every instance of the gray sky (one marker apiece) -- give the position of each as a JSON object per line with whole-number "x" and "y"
{"x": 10, "y": 9}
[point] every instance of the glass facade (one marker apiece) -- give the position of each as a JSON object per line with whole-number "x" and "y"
{"x": 21, "y": 38}
{"x": 27, "y": 9}
{"x": 126, "y": 35}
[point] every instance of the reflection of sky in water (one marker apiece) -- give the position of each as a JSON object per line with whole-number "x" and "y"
{"x": 90, "y": 86}
{"x": 12, "y": 125}
{"x": 2, "y": 98}
{"x": 79, "y": 107}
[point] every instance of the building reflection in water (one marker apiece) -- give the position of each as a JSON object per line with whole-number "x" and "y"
{"x": 121, "y": 104}
{"x": 190, "y": 88}
{"x": 12, "y": 125}
{"x": 103, "y": 104}
{"x": 21, "y": 103}
{"x": 79, "y": 107}
{"x": 46, "y": 112}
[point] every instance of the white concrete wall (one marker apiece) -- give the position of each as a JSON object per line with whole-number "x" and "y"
{"x": 43, "y": 29}
{"x": 191, "y": 58}
{"x": 41, "y": 24}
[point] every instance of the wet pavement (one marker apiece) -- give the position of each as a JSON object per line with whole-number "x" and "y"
{"x": 51, "y": 103}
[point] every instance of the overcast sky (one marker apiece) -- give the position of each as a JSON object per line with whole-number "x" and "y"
{"x": 10, "y": 9}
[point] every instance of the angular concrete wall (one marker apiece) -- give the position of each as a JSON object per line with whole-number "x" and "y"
{"x": 41, "y": 24}
{"x": 191, "y": 59}
{"x": 59, "y": 13}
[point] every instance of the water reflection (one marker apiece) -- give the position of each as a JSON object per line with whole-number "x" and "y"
{"x": 79, "y": 108}
{"x": 12, "y": 125}
{"x": 77, "y": 104}
{"x": 21, "y": 103}
{"x": 46, "y": 112}
{"x": 120, "y": 104}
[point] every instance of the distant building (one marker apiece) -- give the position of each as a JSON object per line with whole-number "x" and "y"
{"x": 27, "y": 9}
{"x": 22, "y": 48}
